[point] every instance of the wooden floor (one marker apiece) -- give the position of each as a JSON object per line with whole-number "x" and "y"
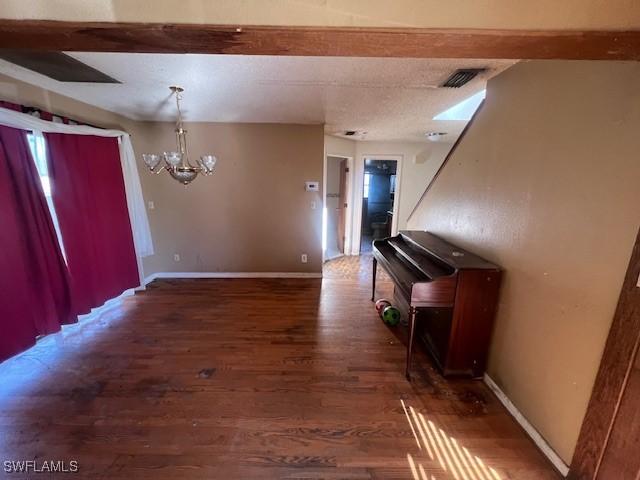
{"x": 244, "y": 379}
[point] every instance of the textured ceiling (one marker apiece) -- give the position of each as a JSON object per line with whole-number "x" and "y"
{"x": 390, "y": 99}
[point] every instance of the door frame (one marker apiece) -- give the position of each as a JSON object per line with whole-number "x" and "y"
{"x": 620, "y": 351}
{"x": 348, "y": 195}
{"x": 358, "y": 191}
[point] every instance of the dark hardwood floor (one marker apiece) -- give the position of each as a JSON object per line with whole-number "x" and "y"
{"x": 244, "y": 379}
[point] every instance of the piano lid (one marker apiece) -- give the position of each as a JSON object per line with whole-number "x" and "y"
{"x": 450, "y": 254}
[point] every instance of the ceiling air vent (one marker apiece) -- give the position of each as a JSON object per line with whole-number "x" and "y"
{"x": 462, "y": 77}
{"x": 354, "y": 133}
{"x": 56, "y": 65}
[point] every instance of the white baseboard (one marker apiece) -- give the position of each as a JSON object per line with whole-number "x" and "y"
{"x": 153, "y": 276}
{"x": 542, "y": 444}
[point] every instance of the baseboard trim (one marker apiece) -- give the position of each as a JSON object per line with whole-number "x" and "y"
{"x": 154, "y": 276}
{"x": 340, "y": 255}
{"x": 538, "y": 439}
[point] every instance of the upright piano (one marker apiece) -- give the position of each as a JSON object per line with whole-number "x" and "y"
{"x": 448, "y": 294}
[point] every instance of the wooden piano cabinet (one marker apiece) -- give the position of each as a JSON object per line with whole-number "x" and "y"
{"x": 448, "y": 295}
{"x": 458, "y": 337}
{"x": 472, "y": 323}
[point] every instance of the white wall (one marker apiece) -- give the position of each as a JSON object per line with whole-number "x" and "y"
{"x": 331, "y": 204}
{"x": 418, "y": 163}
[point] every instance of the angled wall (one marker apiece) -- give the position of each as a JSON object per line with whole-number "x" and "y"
{"x": 546, "y": 184}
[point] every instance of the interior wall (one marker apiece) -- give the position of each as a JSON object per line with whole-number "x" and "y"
{"x": 252, "y": 215}
{"x": 545, "y": 184}
{"x": 420, "y": 162}
{"x": 420, "y": 167}
{"x": 508, "y": 14}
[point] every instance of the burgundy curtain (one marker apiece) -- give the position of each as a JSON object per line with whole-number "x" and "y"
{"x": 89, "y": 198}
{"x": 34, "y": 285}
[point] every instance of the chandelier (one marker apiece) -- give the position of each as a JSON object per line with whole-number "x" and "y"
{"x": 177, "y": 163}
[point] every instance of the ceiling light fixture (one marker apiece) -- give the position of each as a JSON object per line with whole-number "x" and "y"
{"x": 177, "y": 163}
{"x": 435, "y": 136}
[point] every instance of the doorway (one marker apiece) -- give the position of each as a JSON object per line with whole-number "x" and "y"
{"x": 335, "y": 205}
{"x": 378, "y": 201}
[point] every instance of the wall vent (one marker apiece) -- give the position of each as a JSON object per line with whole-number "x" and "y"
{"x": 350, "y": 133}
{"x": 462, "y": 77}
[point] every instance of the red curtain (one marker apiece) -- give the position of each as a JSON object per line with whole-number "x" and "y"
{"x": 89, "y": 198}
{"x": 34, "y": 285}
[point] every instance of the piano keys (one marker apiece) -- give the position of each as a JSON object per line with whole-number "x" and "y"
{"x": 448, "y": 294}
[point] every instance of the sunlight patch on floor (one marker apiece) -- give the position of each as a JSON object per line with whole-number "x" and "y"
{"x": 455, "y": 461}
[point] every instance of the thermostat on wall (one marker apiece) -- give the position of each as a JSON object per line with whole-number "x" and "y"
{"x": 312, "y": 186}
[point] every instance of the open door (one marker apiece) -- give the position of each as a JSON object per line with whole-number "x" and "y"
{"x": 378, "y": 200}
{"x": 342, "y": 204}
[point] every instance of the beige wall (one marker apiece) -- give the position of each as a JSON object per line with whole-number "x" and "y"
{"x": 549, "y": 14}
{"x": 252, "y": 215}
{"x": 546, "y": 184}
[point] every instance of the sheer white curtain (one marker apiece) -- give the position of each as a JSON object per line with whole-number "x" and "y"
{"x": 142, "y": 240}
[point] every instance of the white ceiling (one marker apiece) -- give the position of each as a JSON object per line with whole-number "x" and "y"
{"x": 390, "y": 99}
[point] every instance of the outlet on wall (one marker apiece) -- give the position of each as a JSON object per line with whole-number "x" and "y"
{"x": 303, "y": 258}
{"x": 176, "y": 257}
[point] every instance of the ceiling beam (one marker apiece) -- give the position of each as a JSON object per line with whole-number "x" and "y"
{"x": 319, "y": 41}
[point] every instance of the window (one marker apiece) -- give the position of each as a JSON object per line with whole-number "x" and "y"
{"x": 463, "y": 110}
{"x": 365, "y": 191}
{"x": 38, "y": 148}
{"x": 39, "y": 154}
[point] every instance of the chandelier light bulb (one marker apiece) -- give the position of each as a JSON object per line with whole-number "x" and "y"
{"x": 151, "y": 160}
{"x": 208, "y": 162}
{"x": 173, "y": 158}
